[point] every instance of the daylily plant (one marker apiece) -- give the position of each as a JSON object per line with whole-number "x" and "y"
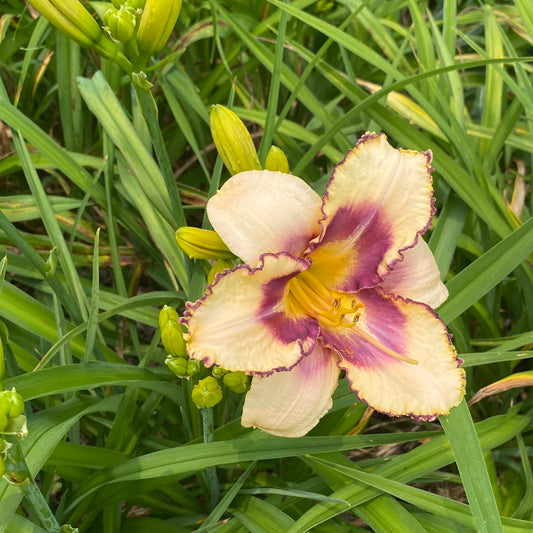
{"x": 343, "y": 282}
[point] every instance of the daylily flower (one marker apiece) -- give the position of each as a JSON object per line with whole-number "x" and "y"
{"x": 339, "y": 282}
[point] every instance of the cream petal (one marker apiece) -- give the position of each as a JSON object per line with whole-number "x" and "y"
{"x": 240, "y": 323}
{"x": 389, "y": 329}
{"x": 417, "y": 277}
{"x": 290, "y": 404}
{"x": 261, "y": 211}
{"x": 377, "y": 202}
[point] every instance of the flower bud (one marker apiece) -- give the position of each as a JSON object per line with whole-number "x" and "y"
{"x": 120, "y": 23}
{"x": 220, "y": 266}
{"x": 156, "y": 25}
{"x": 193, "y": 367}
{"x": 71, "y": 18}
{"x": 218, "y": 371}
{"x": 171, "y": 332}
{"x": 206, "y": 393}
{"x": 11, "y": 403}
{"x": 277, "y": 160}
{"x": 233, "y": 141}
{"x": 200, "y": 243}
{"x": 177, "y": 365}
{"x": 237, "y": 382}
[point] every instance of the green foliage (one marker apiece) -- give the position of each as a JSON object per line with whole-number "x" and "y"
{"x": 98, "y": 173}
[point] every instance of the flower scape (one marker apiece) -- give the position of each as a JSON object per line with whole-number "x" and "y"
{"x": 339, "y": 283}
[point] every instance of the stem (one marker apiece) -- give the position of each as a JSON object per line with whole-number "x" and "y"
{"x": 35, "y": 503}
{"x": 149, "y": 109}
{"x": 210, "y": 472}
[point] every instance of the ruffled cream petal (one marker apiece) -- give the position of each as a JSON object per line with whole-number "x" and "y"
{"x": 290, "y": 404}
{"x": 417, "y": 277}
{"x": 241, "y": 321}
{"x": 261, "y": 211}
{"x": 377, "y": 202}
{"x": 398, "y": 357}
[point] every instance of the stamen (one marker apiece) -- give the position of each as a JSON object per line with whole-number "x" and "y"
{"x": 309, "y": 296}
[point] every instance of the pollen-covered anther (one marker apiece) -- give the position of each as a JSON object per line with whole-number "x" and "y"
{"x": 308, "y": 295}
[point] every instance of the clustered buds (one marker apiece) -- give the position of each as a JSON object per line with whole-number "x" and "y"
{"x": 12, "y": 421}
{"x": 71, "y": 17}
{"x": 120, "y": 23}
{"x": 135, "y": 30}
{"x": 207, "y": 392}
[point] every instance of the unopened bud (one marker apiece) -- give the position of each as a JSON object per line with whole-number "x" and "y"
{"x": 120, "y": 23}
{"x": 233, "y": 141}
{"x": 177, "y": 365}
{"x": 11, "y": 403}
{"x": 200, "y": 243}
{"x": 206, "y": 393}
{"x": 220, "y": 266}
{"x": 277, "y": 160}
{"x": 3, "y": 421}
{"x": 72, "y": 18}
{"x": 237, "y": 382}
{"x": 193, "y": 367}
{"x": 218, "y": 371}
{"x": 156, "y": 25}
{"x": 171, "y": 332}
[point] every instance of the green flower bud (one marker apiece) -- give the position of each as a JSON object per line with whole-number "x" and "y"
{"x": 3, "y": 446}
{"x": 218, "y": 371}
{"x": 51, "y": 263}
{"x": 200, "y": 243}
{"x": 156, "y": 25}
{"x": 220, "y": 266}
{"x": 206, "y": 393}
{"x": 120, "y": 24}
{"x": 177, "y": 365}
{"x": 171, "y": 332}
{"x": 237, "y": 382}
{"x": 233, "y": 141}
{"x": 193, "y": 367}
{"x": 277, "y": 160}
{"x": 71, "y": 18}
{"x": 11, "y": 403}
